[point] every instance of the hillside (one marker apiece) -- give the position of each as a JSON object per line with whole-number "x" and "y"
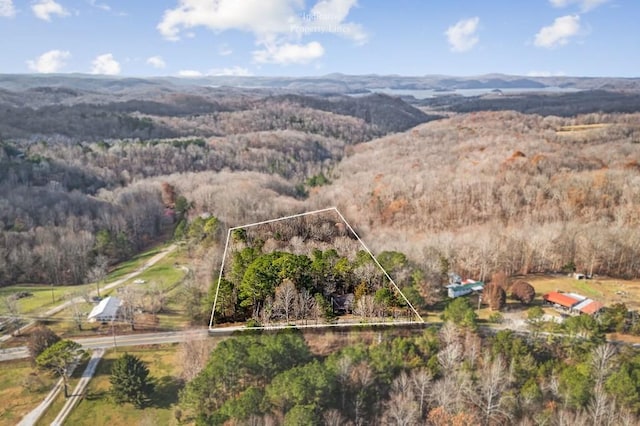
{"x": 100, "y": 174}
{"x": 499, "y": 191}
{"x": 331, "y": 83}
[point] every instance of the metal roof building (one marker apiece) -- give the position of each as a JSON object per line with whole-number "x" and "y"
{"x": 574, "y": 303}
{"x": 562, "y": 299}
{"x": 105, "y": 311}
{"x": 457, "y": 290}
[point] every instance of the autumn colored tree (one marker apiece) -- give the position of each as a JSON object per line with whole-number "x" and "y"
{"x": 500, "y": 279}
{"x": 523, "y": 291}
{"x": 40, "y": 339}
{"x": 494, "y": 296}
{"x": 168, "y": 195}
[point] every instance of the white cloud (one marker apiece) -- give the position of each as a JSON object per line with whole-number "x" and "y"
{"x": 462, "y": 36}
{"x": 44, "y": 9}
{"x": 331, "y": 14}
{"x": 189, "y": 73}
{"x": 558, "y": 33}
{"x": 105, "y": 64}
{"x": 51, "y": 61}
{"x": 585, "y": 5}
{"x": 278, "y": 25}
{"x": 288, "y": 53}
{"x": 224, "y": 50}
{"x": 256, "y": 16}
{"x": 233, "y": 71}
{"x": 156, "y": 62}
{"x": 6, "y": 9}
{"x": 102, "y": 6}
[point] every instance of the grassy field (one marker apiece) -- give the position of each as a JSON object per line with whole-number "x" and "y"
{"x": 134, "y": 263}
{"x": 165, "y": 275}
{"x": 582, "y": 127}
{"x": 23, "y": 387}
{"x": 45, "y": 296}
{"x": 605, "y": 290}
{"x": 17, "y": 398}
{"x": 97, "y": 409}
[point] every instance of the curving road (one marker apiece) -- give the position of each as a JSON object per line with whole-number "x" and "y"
{"x": 52, "y": 311}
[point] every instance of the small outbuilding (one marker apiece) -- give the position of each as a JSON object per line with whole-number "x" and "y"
{"x": 106, "y": 311}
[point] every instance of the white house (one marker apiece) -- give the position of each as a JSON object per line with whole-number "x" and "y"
{"x": 463, "y": 288}
{"x": 107, "y": 310}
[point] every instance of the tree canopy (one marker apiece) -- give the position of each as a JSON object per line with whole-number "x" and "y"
{"x": 59, "y": 357}
{"x": 130, "y": 381}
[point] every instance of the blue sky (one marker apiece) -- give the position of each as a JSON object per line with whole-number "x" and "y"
{"x": 318, "y": 37}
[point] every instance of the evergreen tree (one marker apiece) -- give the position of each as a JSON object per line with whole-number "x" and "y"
{"x": 130, "y": 381}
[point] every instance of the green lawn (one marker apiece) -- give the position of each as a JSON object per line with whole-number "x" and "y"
{"x": 166, "y": 273}
{"x": 602, "y": 289}
{"x": 134, "y": 263}
{"x": 42, "y": 296}
{"x": 57, "y": 404}
{"x": 97, "y": 409}
{"x": 22, "y": 388}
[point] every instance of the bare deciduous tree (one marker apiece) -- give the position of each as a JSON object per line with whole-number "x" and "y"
{"x": 193, "y": 355}
{"x": 365, "y": 306}
{"x": 421, "y": 380}
{"x": 285, "y": 298}
{"x": 489, "y": 396}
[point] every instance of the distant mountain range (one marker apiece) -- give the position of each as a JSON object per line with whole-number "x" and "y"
{"x": 332, "y": 83}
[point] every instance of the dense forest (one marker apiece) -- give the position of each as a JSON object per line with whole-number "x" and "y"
{"x": 73, "y": 190}
{"x": 468, "y": 192}
{"x": 311, "y": 270}
{"x": 440, "y": 376}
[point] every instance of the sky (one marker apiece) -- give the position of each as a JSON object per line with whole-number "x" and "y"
{"x": 318, "y": 37}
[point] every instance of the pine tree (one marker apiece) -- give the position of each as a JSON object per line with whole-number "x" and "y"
{"x": 130, "y": 381}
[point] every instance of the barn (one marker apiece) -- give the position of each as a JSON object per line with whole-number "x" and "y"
{"x": 106, "y": 311}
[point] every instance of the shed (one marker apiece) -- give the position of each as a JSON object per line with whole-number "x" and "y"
{"x": 107, "y": 310}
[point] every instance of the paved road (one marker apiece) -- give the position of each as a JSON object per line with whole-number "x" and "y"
{"x": 122, "y": 340}
{"x": 51, "y": 312}
{"x": 142, "y": 339}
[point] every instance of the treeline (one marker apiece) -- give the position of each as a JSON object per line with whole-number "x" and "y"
{"x": 58, "y": 243}
{"x": 57, "y": 188}
{"x": 98, "y": 117}
{"x": 545, "y": 104}
{"x": 438, "y": 377}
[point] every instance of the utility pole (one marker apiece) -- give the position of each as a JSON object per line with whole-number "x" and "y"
{"x": 113, "y": 330}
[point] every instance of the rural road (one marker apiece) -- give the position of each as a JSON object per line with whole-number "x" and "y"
{"x": 155, "y": 259}
{"x": 122, "y": 340}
